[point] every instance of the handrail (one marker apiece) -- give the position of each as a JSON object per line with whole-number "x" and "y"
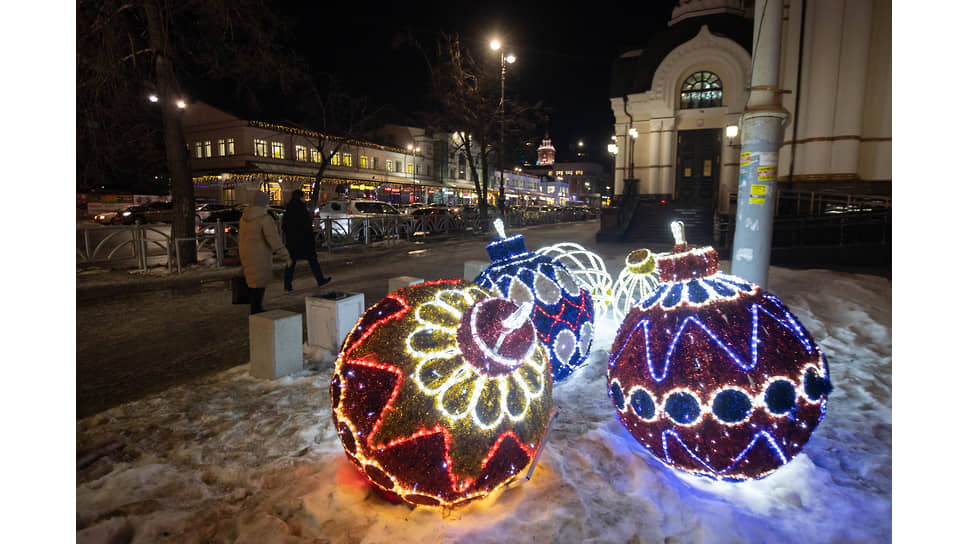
{"x": 116, "y": 245}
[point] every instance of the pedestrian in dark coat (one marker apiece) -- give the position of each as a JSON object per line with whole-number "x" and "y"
{"x": 297, "y": 226}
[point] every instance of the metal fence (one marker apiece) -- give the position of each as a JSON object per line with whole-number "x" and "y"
{"x": 142, "y": 246}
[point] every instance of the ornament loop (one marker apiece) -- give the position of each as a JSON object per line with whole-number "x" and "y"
{"x": 678, "y": 232}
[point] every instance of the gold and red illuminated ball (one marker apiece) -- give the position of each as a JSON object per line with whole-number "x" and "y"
{"x": 442, "y": 393}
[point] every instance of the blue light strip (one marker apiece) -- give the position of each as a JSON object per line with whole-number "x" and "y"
{"x": 755, "y": 309}
{"x": 736, "y": 460}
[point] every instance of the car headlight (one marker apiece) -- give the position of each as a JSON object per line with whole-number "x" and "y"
{"x": 126, "y": 214}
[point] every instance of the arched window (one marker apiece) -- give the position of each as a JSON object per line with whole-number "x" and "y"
{"x": 701, "y": 90}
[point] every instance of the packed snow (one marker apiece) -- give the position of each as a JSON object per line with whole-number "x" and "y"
{"x": 237, "y": 459}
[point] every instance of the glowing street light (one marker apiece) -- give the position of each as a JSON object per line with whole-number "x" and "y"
{"x": 505, "y": 60}
{"x": 153, "y": 97}
{"x": 413, "y": 166}
{"x": 181, "y": 104}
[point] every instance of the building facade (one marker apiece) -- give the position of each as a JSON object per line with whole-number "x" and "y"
{"x": 676, "y": 100}
{"x": 230, "y": 157}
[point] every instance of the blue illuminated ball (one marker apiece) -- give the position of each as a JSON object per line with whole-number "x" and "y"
{"x": 563, "y": 312}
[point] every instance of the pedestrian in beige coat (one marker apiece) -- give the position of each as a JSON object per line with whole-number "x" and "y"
{"x": 258, "y": 240}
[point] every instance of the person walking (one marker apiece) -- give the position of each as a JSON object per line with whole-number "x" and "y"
{"x": 297, "y": 225}
{"x": 259, "y": 240}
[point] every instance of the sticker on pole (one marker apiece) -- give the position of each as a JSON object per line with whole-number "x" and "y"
{"x": 766, "y": 173}
{"x": 758, "y": 193}
{"x": 744, "y": 158}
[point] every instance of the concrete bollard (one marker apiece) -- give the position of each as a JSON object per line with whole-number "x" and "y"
{"x": 329, "y": 318}
{"x": 275, "y": 344}
{"x": 473, "y": 268}
{"x": 402, "y": 281}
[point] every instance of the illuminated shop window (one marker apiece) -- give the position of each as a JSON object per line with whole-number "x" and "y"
{"x": 300, "y": 153}
{"x": 198, "y": 150}
{"x": 208, "y": 149}
{"x": 410, "y": 168}
{"x": 230, "y": 145}
{"x": 278, "y": 151}
{"x": 389, "y": 165}
{"x": 221, "y": 147}
{"x": 347, "y": 159}
{"x": 334, "y": 160}
{"x": 315, "y": 156}
{"x": 362, "y": 161}
{"x": 701, "y": 90}
{"x": 260, "y": 148}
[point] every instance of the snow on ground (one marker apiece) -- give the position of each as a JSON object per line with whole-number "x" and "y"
{"x": 236, "y": 459}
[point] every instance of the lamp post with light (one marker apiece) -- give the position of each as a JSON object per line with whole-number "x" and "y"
{"x": 413, "y": 165}
{"x": 505, "y": 60}
{"x": 631, "y": 181}
{"x": 613, "y": 151}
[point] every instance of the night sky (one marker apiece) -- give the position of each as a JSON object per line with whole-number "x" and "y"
{"x": 563, "y": 55}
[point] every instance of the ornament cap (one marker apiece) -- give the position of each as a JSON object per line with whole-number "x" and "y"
{"x": 502, "y": 249}
{"x": 640, "y": 261}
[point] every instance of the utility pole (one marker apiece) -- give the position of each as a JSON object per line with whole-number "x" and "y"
{"x": 762, "y": 132}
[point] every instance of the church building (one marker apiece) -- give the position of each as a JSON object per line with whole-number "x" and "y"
{"x": 678, "y": 101}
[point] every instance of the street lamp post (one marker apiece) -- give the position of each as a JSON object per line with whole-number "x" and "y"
{"x": 505, "y": 60}
{"x": 413, "y": 165}
{"x": 631, "y": 181}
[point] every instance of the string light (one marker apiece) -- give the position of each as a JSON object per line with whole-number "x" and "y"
{"x": 589, "y": 271}
{"x": 441, "y": 391}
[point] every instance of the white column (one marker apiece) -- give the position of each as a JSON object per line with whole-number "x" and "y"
{"x": 825, "y": 24}
{"x": 728, "y": 172}
{"x": 667, "y": 151}
{"x": 654, "y": 184}
{"x": 851, "y": 83}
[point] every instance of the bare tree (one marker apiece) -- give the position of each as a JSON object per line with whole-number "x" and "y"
{"x": 130, "y": 48}
{"x": 467, "y": 97}
{"x": 332, "y": 118}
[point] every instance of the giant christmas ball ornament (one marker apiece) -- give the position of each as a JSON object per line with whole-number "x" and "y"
{"x": 713, "y": 374}
{"x": 563, "y": 312}
{"x": 589, "y": 271}
{"x": 442, "y": 392}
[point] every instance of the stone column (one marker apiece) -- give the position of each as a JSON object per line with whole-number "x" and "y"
{"x": 821, "y": 66}
{"x": 667, "y": 152}
{"x": 655, "y": 136}
{"x": 851, "y": 82}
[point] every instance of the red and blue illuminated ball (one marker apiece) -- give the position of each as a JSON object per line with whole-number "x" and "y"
{"x": 713, "y": 374}
{"x": 563, "y": 312}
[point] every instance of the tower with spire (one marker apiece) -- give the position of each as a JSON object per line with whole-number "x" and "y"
{"x": 546, "y": 151}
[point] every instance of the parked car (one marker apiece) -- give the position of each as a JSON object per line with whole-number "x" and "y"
{"x": 204, "y": 210}
{"x": 230, "y": 218}
{"x": 357, "y": 219}
{"x": 407, "y": 209}
{"x": 435, "y": 220}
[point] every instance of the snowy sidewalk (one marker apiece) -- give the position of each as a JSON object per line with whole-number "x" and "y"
{"x": 235, "y": 459}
